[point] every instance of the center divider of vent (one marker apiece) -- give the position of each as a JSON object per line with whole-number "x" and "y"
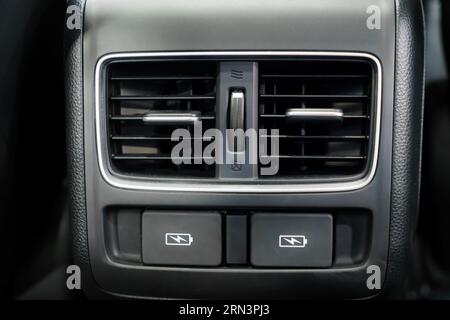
{"x": 147, "y": 101}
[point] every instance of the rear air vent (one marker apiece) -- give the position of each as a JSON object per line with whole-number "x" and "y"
{"x": 146, "y": 102}
{"x": 324, "y": 112}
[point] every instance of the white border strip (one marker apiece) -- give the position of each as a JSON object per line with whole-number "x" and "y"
{"x": 224, "y": 187}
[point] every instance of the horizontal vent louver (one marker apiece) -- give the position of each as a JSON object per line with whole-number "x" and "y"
{"x": 147, "y": 101}
{"x": 323, "y": 111}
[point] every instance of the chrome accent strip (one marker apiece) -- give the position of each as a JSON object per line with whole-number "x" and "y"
{"x": 237, "y": 112}
{"x": 314, "y": 114}
{"x": 218, "y": 187}
{"x": 171, "y": 118}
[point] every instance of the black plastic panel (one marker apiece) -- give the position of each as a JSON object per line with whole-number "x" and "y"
{"x": 202, "y": 31}
{"x": 233, "y": 281}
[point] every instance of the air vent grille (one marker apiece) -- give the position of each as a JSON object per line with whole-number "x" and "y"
{"x": 324, "y": 113}
{"x": 147, "y": 101}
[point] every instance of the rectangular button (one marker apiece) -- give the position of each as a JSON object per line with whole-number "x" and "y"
{"x": 291, "y": 240}
{"x": 182, "y": 238}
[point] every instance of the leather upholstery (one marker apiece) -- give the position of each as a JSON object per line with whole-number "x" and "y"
{"x": 408, "y": 119}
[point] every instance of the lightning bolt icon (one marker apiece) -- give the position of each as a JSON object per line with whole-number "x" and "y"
{"x": 178, "y": 239}
{"x": 292, "y": 241}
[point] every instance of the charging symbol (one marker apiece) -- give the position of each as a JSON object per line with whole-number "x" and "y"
{"x": 292, "y": 241}
{"x": 178, "y": 239}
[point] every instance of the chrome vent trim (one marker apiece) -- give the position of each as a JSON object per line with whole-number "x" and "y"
{"x": 210, "y": 186}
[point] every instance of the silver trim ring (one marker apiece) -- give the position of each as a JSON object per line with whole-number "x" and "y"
{"x": 221, "y": 187}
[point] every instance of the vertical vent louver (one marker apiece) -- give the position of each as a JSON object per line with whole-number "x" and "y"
{"x": 324, "y": 112}
{"x": 146, "y": 102}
